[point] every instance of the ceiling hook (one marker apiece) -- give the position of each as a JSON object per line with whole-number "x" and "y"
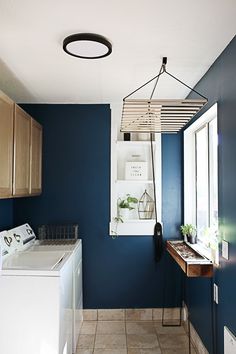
{"x": 164, "y": 62}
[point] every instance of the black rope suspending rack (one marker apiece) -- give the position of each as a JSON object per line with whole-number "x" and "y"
{"x": 159, "y": 115}
{"x": 162, "y": 71}
{"x": 153, "y": 116}
{"x": 151, "y": 139}
{"x": 156, "y": 116}
{"x": 157, "y": 235}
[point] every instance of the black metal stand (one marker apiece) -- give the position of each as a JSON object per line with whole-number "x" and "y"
{"x": 184, "y": 297}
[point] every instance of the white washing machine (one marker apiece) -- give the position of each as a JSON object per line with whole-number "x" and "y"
{"x": 76, "y": 250}
{"x": 40, "y": 295}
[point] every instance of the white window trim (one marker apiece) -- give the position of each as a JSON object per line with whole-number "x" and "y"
{"x": 190, "y": 172}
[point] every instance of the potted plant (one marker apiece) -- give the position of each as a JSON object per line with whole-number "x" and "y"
{"x": 125, "y": 205}
{"x": 189, "y": 233}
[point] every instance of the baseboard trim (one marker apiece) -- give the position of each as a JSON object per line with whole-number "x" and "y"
{"x": 145, "y": 314}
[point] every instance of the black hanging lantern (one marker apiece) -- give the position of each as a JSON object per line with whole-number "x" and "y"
{"x": 145, "y": 206}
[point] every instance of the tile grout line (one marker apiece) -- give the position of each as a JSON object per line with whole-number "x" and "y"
{"x": 156, "y": 330}
{"x": 157, "y": 337}
{"x": 95, "y": 337}
{"x": 126, "y": 335}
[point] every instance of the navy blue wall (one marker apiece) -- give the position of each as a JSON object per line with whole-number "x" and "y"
{"x": 6, "y": 214}
{"x": 219, "y": 85}
{"x": 76, "y": 188}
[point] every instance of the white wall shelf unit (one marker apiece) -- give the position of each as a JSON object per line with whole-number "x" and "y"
{"x": 126, "y": 151}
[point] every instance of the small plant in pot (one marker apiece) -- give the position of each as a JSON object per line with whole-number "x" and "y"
{"x": 125, "y": 206}
{"x": 189, "y": 233}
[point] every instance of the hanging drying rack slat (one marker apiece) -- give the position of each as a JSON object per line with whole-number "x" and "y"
{"x": 165, "y": 118}
{"x": 166, "y": 102}
{"x": 159, "y": 112}
{"x": 158, "y": 115}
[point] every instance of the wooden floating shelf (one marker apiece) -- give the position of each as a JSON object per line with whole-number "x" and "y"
{"x": 191, "y": 262}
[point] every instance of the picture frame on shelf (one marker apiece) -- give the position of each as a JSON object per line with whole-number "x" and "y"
{"x": 136, "y": 170}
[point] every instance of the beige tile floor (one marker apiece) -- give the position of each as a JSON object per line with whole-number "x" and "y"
{"x": 136, "y": 337}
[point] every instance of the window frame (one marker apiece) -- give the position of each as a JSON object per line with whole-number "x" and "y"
{"x": 190, "y": 173}
{"x": 204, "y": 126}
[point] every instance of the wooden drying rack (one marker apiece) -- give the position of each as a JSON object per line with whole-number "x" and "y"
{"x": 165, "y": 115}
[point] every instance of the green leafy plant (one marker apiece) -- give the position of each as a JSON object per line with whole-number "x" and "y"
{"x": 188, "y": 230}
{"x": 189, "y": 233}
{"x": 126, "y": 202}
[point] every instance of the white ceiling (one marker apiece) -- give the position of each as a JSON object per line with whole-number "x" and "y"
{"x": 34, "y": 68}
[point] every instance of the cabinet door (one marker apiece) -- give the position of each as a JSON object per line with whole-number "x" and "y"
{"x": 6, "y": 145}
{"x": 36, "y": 158}
{"x": 21, "y": 175}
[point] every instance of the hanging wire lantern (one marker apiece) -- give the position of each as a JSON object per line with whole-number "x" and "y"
{"x": 145, "y": 206}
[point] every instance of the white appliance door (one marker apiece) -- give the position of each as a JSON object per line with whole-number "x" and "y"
{"x": 66, "y": 308}
{"x": 78, "y": 296}
{"x": 29, "y": 321}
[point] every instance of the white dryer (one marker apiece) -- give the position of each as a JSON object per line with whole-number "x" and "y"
{"x": 36, "y": 298}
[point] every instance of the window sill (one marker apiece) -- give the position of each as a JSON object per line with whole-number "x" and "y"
{"x": 209, "y": 253}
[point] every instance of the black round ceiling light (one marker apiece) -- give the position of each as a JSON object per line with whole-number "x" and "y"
{"x": 87, "y": 46}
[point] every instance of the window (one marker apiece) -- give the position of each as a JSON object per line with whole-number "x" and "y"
{"x": 201, "y": 178}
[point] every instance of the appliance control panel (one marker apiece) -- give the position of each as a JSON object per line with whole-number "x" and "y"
{"x": 17, "y": 239}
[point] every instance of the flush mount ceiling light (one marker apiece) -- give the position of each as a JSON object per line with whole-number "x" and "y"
{"x": 87, "y": 46}
{"x": 159, "y": 116}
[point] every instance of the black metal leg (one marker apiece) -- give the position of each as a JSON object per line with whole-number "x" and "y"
{"x": 189, "y": 336}
{"x": 185, "y": 296}
{"x": 163, "y": 297}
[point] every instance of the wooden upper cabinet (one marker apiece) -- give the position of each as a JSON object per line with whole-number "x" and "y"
{"x": 36, "y": 158}
{"x": 20, "y": 151}
{"x": 6, "y": 145}
{"x": 21, "y": 172}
